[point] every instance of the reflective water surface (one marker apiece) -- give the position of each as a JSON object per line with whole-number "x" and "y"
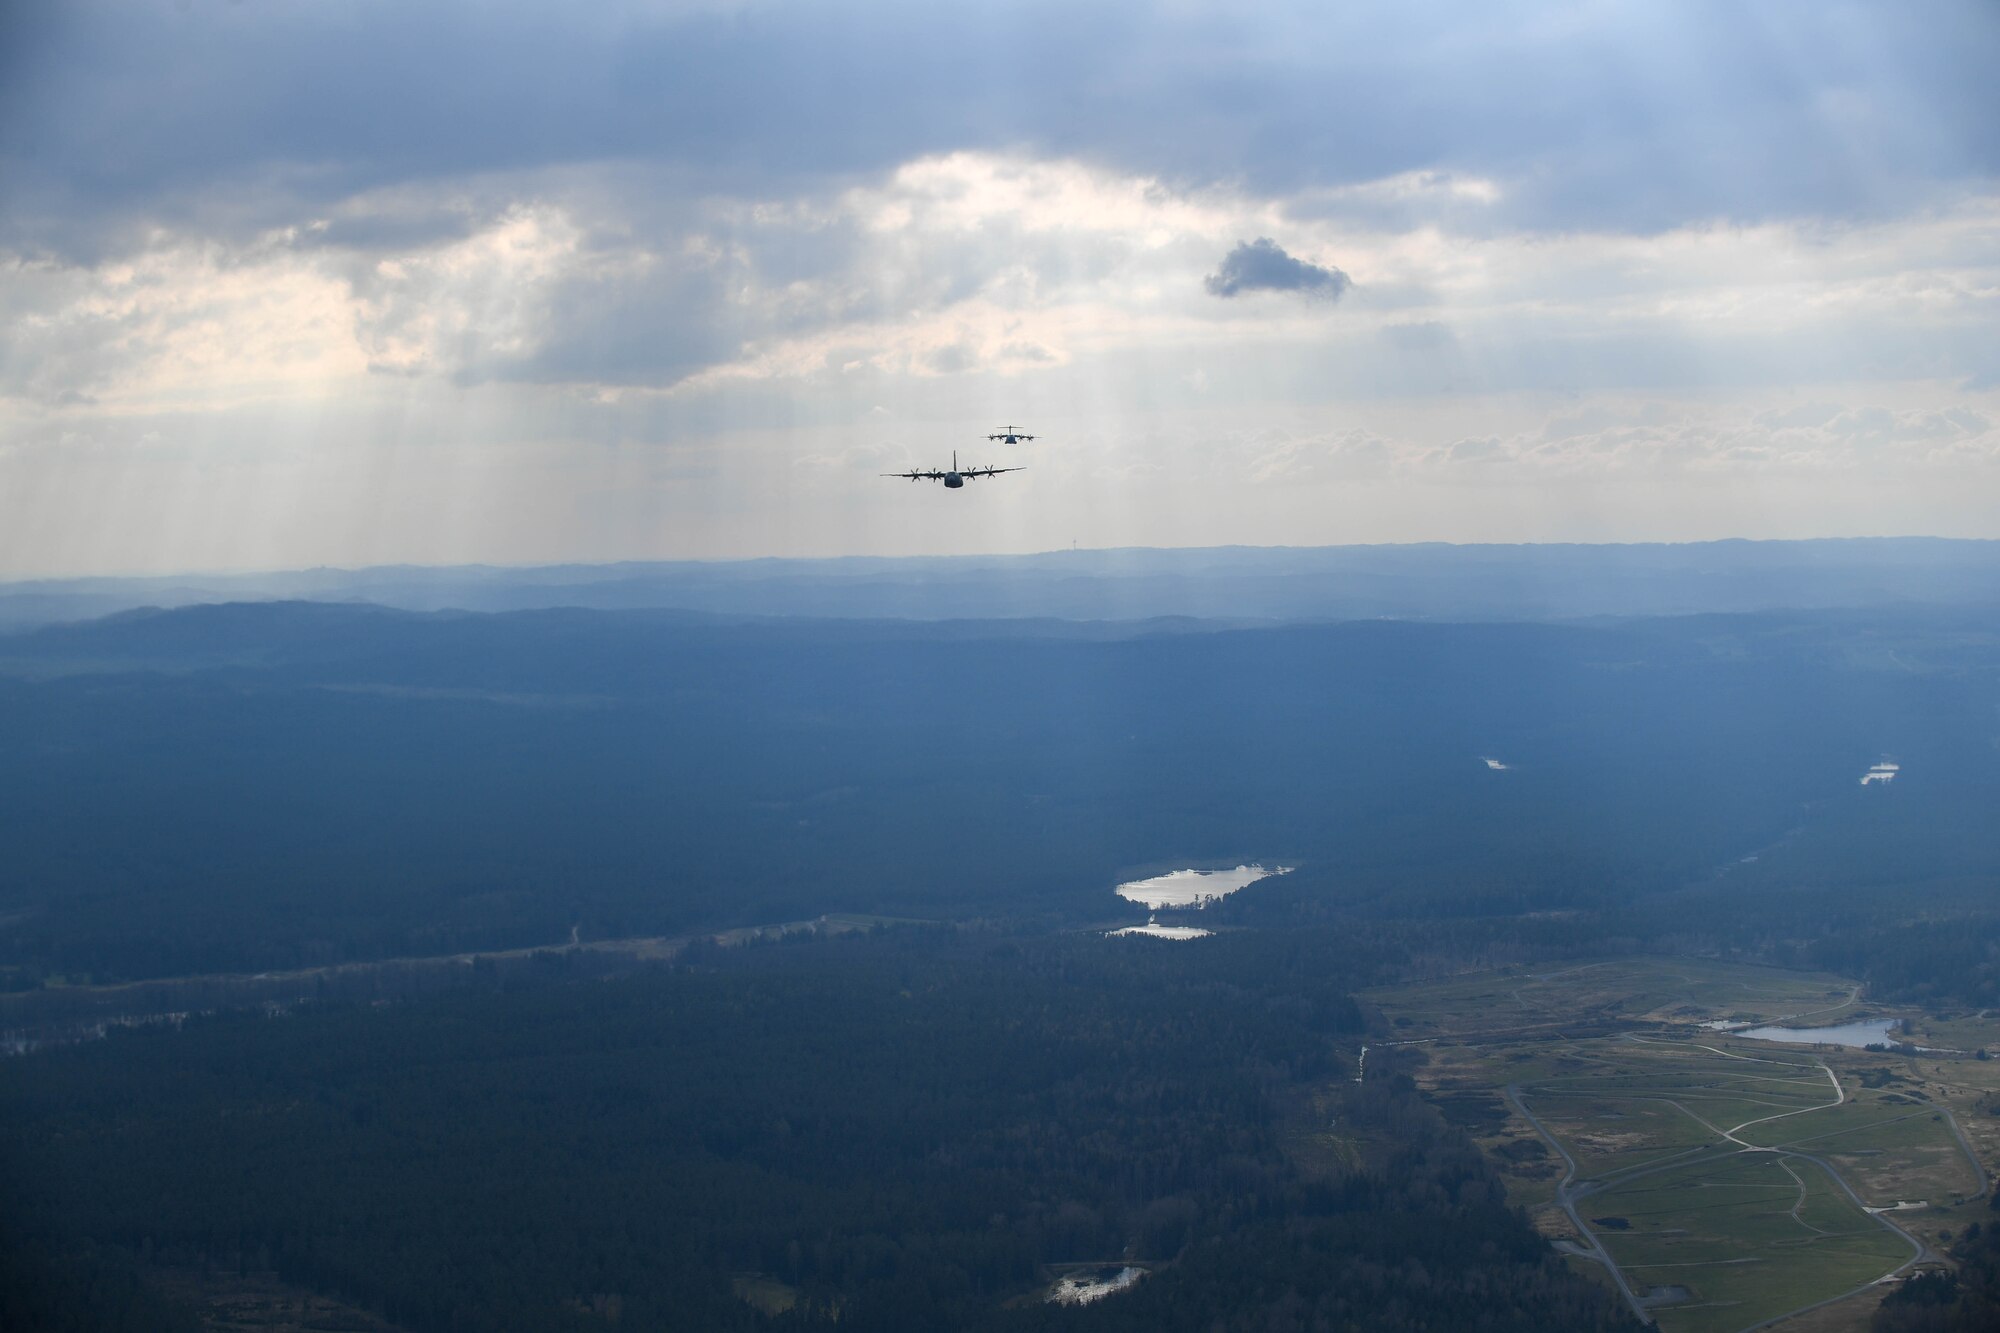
{"x": 1160, "y": 932}
{"x": 1192, "y": 888}
{"x": 1876, "y": 1032}
{"x": 1093, "y": 1284}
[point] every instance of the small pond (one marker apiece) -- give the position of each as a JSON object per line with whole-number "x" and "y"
{"x": 1081, "y": 1288}
{"x": 1160, "y": 932}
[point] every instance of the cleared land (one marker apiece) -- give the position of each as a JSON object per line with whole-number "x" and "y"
{"x": 1720, "y": 1182}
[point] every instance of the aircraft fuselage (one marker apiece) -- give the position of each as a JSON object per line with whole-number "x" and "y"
{"x": 953, "y": 481}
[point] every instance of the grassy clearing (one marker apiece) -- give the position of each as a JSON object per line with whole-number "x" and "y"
{"x": 1862, "y": 1120}
{"x": 1634, "y": 989}
{"x": 1615, "y": 1061}
{"x": 1749, "y": 1236}
{"x": 1959, "y": 1031}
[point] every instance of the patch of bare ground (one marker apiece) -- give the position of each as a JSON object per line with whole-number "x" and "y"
{"x": 1930, "y": 1172}
{"x": 230, "y": 1302}
{"x": 1553, "y": 1223}
{"x": 1982, "y": 1126}
{"x": 1603, "y": 1143}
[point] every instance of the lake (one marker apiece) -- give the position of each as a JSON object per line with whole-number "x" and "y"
{"x": 1876, "y": 1032}
{"x": 1192, "y": 888}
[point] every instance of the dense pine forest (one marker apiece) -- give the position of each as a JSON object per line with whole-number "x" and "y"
{"x": 904, "y": 1131}
{"x": 248, "y": 788}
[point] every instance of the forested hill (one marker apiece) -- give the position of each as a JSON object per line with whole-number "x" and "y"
{"x": 1427, "y": 581}
{"x": 255, "y": 786}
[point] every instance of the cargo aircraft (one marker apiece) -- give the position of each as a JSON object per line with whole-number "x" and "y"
{"x": 955, "y": 478}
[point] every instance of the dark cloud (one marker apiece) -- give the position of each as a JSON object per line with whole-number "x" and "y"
{"x": 1262, "y": 266}
{"x": 625, "y": 331}
{"x": 389, "y": 230}
{"x": 211, "y": 116}
{"x": 952, "y": 358}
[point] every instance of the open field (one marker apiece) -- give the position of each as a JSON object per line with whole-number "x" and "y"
{"x": 1720, "y": 1181}
{"x": 1748, "y": 1234}
{"x": 1626, "y": 990}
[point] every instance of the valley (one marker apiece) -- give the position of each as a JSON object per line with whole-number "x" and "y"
{"x": 1719, "y": 1182}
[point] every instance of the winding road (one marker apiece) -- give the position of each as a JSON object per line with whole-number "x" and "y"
{"x": 1569, "y": 1192}
{"x": 1567, "y": 1199}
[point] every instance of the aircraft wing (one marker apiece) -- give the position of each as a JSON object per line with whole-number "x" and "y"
{"x": 989, "y": 471}
{"x": 917, "y": 474}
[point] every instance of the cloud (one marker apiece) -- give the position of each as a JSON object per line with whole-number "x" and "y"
{"x": 1417, "y": 336}
{"x": 1347, "y": 455}
{"x": 1261, "y": 266}
{"x": 1877, "y": 441}
{"x": 1027, "y": 351}
{"x": 952, "y": 358}
{"x": 210, "y": 116}
{"x": 348, "y": 249}
{"x": 1038, "y": 270}
{"x": 184, "y": 321}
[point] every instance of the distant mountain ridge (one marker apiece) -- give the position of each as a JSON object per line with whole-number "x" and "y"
{"x": 1243, "y": 584}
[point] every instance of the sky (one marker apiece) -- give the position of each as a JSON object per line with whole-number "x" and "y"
{"x": 285, "y": 285}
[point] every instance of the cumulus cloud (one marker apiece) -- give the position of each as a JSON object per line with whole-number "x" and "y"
{"x": 184, "y": 321}
{"x": 1023, "y": 267}
{"x": 1263, "y": 266}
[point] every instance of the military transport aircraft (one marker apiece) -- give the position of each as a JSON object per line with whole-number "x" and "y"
{"x": 1010, "y": 435}
{"x": 954, "y": 478}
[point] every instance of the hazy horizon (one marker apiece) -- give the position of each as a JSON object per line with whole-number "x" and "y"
{"x": 526, "y": 566}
